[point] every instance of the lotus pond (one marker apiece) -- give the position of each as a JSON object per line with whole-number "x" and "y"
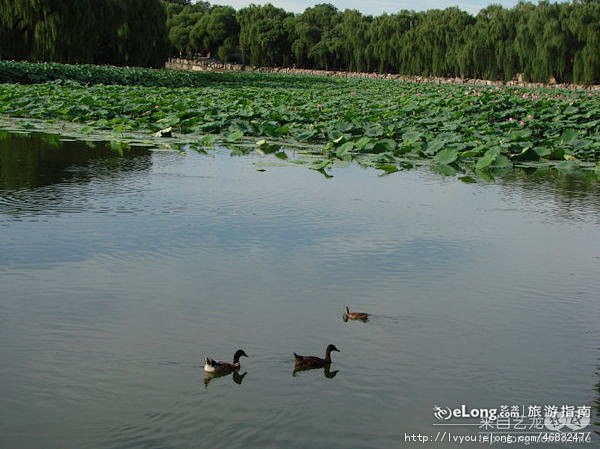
{"x": 122, "y": 268}
{"x": 466, "y": 131}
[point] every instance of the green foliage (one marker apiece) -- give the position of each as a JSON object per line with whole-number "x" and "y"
{"x": 29, "y": 73}
{"x": 216, "y": 33}
{"x": 378, "y": 123}
{"x": 559, "y": 41}
{"x": 309, "y": 36}
{"x": 489, "y": 45}
{"x": 264, "y": 36}
{"x": 180, "y": 23}
{"x": 548, "y": 41}
{"x": 121, "y": 32}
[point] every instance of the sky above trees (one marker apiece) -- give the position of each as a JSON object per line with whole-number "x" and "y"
{"x": 374, "y": 7}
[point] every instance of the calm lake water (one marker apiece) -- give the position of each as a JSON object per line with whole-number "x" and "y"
{"x": 120, "y": 273}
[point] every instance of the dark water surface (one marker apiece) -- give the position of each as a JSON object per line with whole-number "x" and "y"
{"x": 120, "y": 272}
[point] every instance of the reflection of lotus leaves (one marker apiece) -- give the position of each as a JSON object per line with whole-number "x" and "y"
{"x": 442, "y": 413}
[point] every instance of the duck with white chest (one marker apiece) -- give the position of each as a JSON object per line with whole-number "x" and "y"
{"x": 218, "y": 366}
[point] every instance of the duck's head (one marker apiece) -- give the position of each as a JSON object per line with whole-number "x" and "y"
{"x": 239, "y": 353}
{"x": 332, "y": 348}
{"x": 346, "y": 310}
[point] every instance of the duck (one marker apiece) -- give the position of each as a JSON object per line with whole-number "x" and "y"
{"x": 355, "y": 315}
{"x": 217, "y": 366}
{"x": 314, "y": 361}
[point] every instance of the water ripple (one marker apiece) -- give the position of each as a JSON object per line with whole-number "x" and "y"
{"x": 120, "y": 274}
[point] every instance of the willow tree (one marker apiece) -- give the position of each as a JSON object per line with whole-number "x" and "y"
{"x": 542, "y": 42}
{"x": 51, "y": 30}
{"x": 78, "y": 31}
{"x": 489, "y": 51}
{"x": 353, "y": 30}
{"x": 180, "y": 25}
{"x": 584, "y": 23}
{"x": 142, "y": 34}
{"x": 264, "y": 35}
{"x": 217, "y": 32}
{"x": 385, "y": 36}
{"x": 434, "y": 45}
{"x": 308, "y": 31}
{"x": 329, "y": 52}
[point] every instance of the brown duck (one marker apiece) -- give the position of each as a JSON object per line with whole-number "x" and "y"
{"x": 355, "y": 315}
{"x": 217, "y": 366}
{"x": 314, "y": 361}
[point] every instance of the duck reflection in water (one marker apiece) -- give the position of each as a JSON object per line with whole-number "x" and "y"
{"x": 236, "y": 376}
{"x": 326, "y": 370}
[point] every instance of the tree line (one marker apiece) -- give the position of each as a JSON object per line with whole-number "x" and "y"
{"x": 540, "y": 41}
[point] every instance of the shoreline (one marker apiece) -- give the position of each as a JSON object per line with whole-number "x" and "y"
{"x": 219, "y": 67}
